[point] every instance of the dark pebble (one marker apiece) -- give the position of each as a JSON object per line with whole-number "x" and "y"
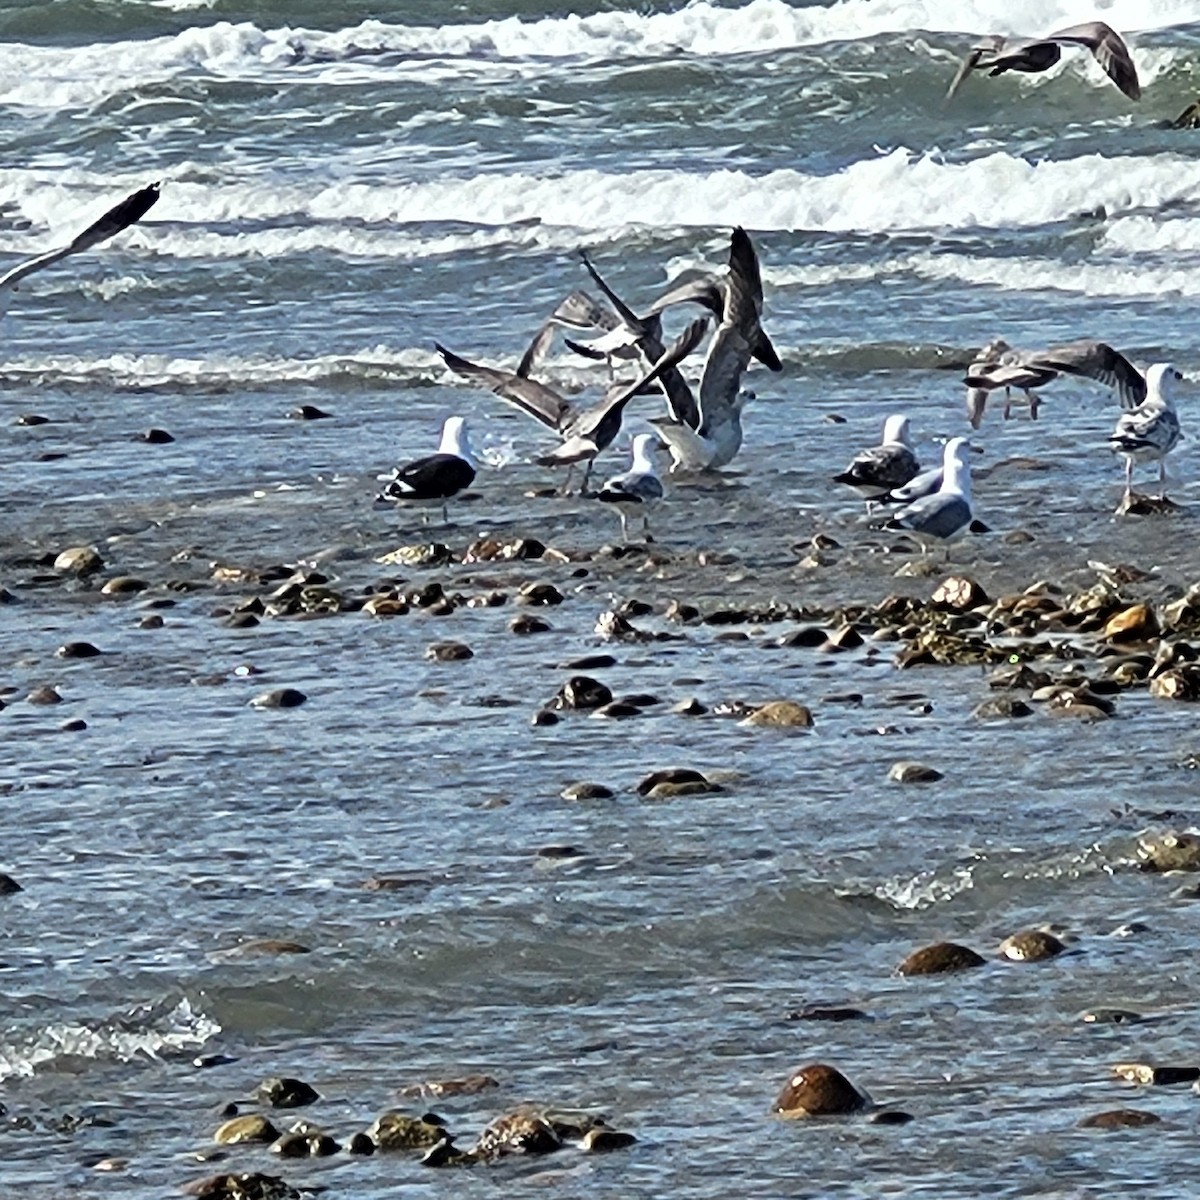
{"x": 75, "y": 725}
{"x": 526, "y": 623}
{"x": 77, "y": 650}
{"x": 890, "y": 1116}
{"x": 544, "y": 716}
{"x": 308, "y": 412}
{"x": 589, "y": 662}
{"x": 361, "y": 1144}
{"x": 818, "y": 1013}
{"x": 156, "y": 437}
{"x": 279, "y": 698}
{"x": 8, "y": 885}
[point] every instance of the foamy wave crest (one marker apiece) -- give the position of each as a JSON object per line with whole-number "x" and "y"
{"x": 54, "y": 77}
{"x": 920, "y": 891}
{"x": 1144, "y": 234}
{"x": 141, "y": 371}
{"x": 144, "y": 1033}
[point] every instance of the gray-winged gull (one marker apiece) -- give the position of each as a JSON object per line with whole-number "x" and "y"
{"x": 638, "y": 488}
{"x": 1150, "y": 431}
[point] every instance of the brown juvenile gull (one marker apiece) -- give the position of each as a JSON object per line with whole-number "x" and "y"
{"x": 998, "y": 365}
{"x": 1150, "y": 431}
{"x": 585, "y": 430}
{"x": 131, "y": 209}
{"x": 891, "y": 464}
{"x": 998, "y": 54}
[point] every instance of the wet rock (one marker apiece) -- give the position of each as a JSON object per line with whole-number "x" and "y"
{"x": 1169, "y": 851}
{"x": 492, "y": 550}
{"x": 822, "y": 1013}
{"x": 428, "y": 554}
{"x": 1119, "y": 1118}
{"x": 205, "y": 1062}
{"x": 8, "y": 885}
{"x": 242, "y": 620}
{"x": 669, "y": 791}
{"x": 818, "y": 1090}
{"x": 361, "y": 1145}
{"x": 539, "y": 594}
{"x": 151, "y": 621}
{"x": 77, "y": 650}
{"x": 958, "y": 593}
{"x": 308, "y": 412}
{"x": 156, "y": 437}
{"x": 75, "y": 725}
{"x": 285, "y": 1092}
{"x": 1148, "y": 1075}
{"x": 684, "y": 614}
{"x": 940, "y": 958}
{"x": 1020, "y": 676}
{"x": 1111, "y": 1016}
{"x": 586, "y": 791}
{"x": 526, "y": 623}
{"x": 44, "y": 695}
{"x": 250, "y": 1128}
{"x": 589, "y": 662}
{"x": 601, "y": 1140}
{"x": 809, "y": 637}
{"x": 250, "y": 1186}
{"x": 617, "y": 710}
{"x": 1001, "y": 708}
{"x": 446, "y": 1154}
{"x": 582, "y": 693}
{"x": 286, "y": 697}
{"x": 124, "y": 585}
{"x": 689, "y": 707}
{"x": 31, "y": 419}
{"x": 448, "y": 651}
{"x": 1177, "y": 683}
{"x": 1134, "y": 624}
{"x": 1030, "y": 945}
{"x": 544, "y": 716}
{"x": 111, "y": 1164}
{"x": 517, "y": 1133}
{"x": 845, "y": 637}
{"x": 907, "y": 771}
{"x": 79, "y": 560}
{"x": 385, "y": 606}
{"x": 305, "y": 1143}
{"x": 890, "y": 1116}
{"x": 677, "y": 775}
{"x": 265, "y": 947}
{"x": 400, "y": 1131}
{"x": 780, "y": 714}
{"x": 468, "y": 1085}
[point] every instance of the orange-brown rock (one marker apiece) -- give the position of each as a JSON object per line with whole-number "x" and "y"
{"x": 940, "y": 958}
{"x": 1134, "y": 624}
{"x": 818, "y": 1090}
{"x": 1119, "y": 1118}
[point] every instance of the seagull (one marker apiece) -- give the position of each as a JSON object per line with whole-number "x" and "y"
{"x": 435, "y": 478}
{"x": 998, "y": 365}
{"x": 891, "y": 464}
{"x": 1150, "y": 431}
{"x": 919, "y": 486}
{"x": 998, "y": 54}
{"x": 638, "y": 488}
{"x": 130, "y": 210}
{"x": 577, "y": 311}
{"x": 585, "y": 430}
{"x": 718, "y": 437}
{"x": 947, "y": 512}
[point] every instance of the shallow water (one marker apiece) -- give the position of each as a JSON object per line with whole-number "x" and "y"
{"x": 337, "y": 196}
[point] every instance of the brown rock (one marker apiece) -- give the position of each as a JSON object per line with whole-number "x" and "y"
{"x": 539, "y": 594}
{"x": 907, "y": 771}
{"x": 586, "y": 791}
{"x": 399, "y": 1131}
{"x": 958, "y": 593}
{"x": 250, "y": 1128}
{"x": 526, "y": 623}
{"x": 1119, "y": 1118}
{"x": 648, "y": 783}
{"x": 780, "y": 714}
{"x": 583, "y": 693}
{"x": 521, "y": 1132}
{"x": 251, "y": 1186}
{"x": 668, "y": 791}
{"x": 601, "y": 1140}
{"x": 44, "y": 695}
{"x": 818, "y": 1090}
{"x": 79, "y": 560}
{"x": 279, "y": 698}
{"x": 468, "y": 1085}
{"x": 1031, "y": 945}
{"x": 124, "y": 585}
{"x": 1169, "y": 851}
{"x": 263, "y": 947}
{"x": 284, "y": 1092}
{"x": 939, "y": 959}
{"x": 1134, "y": 624}
{"x": 448, "y": 651}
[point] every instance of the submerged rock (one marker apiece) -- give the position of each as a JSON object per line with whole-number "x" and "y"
{"x": 586, "y": 791}
{"x": 780, "y": 714}
{"x": 394, "y": 1130}
{"x": 448, "y": 651}
{"x": 252, "y": 1127}
{"x": 601, "y": 1140}
{"x": 1169, "y": 851}
{"x": 79, "y": 560}
{"x": 1031, "y": 945}
{"x": 518, "y": 1133}
{"x": 286, "y": 697}
{"x": 251, "y": 1186}
{"x": 583, "y": 693}
{"x": 818, "y": 1090}
{"x": 284, "y": 1092}
{"x": 907, "y": 771}
{"x": 468, "y": 1085}
{"x": 1120, "y": 1118}
{"x": 940, "y": 958}
{"x": 8, "y": 885}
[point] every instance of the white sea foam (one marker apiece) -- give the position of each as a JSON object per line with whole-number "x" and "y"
{"x": 57, "y": 77}
{"x": 142, "y": 1035}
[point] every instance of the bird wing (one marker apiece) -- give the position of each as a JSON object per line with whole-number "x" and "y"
{"x": 976, "y": 405}
{"x": 1150, "y": 427}
{"x": 941, "y": 515}
{"x": 967, "y": 65}
{"x": 885, "y": 467}
{"x": 540, "y": 402}
{"x": 121, "y": 216}
{"x": 1099, "y": 361}
{"x": 700, "y": 288}
{"x": 1108, "y": 49}
{"x": 575, "y": 311}
{"x": 926, "y": 484}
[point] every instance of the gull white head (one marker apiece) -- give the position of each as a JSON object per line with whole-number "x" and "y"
{"x": 1161, "y": 379}
{"x": 956, "y": 467}
{"x": 644, "y": 448}
{"x": 895, "y": 431}
{"x": 454, "y": 440}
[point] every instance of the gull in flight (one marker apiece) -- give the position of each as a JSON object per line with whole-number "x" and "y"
{"x": 435, "y": 478}
{"x": 1150, "y": 431}
{"x": 1030, "y": 56}
{"x": 131, "y": 209}
{"x": 638, "y": 488}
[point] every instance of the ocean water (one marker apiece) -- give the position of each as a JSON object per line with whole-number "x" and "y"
{"x": 343, "y": 188}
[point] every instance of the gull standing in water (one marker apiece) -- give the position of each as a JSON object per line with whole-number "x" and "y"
{"x": 1150, "y": 431}
{"x": 891, "y": 464}
{"x": 120, "y": 217}
{"x": 1030, "y": 56}
{"x": 638, "y": 488}
{"x": 435, "y": 478}
{"x": 946, "y": 513}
